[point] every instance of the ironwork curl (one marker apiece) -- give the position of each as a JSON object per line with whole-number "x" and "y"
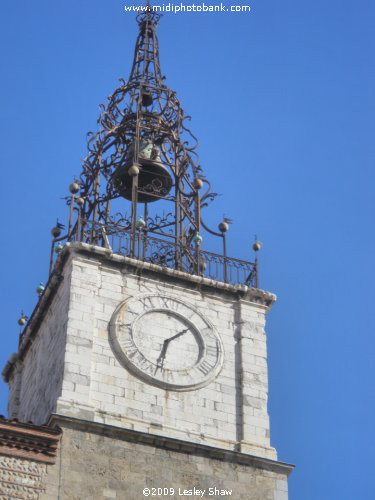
{"x": 143, "y": 110}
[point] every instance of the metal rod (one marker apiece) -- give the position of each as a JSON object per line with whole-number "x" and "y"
{"x": 177, "y": 222}
{"x": 79, "y": 222}
{"x": 144, "y": 246}
{"x": 51, "y": 256}
{"x": 72, "y": 198}
{"x": 134, "y": 215}
{"x": 225, "y": 257}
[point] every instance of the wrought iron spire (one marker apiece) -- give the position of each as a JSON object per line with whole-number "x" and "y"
{"x": 146, "y": 64}
{"x": 143, "y": 159}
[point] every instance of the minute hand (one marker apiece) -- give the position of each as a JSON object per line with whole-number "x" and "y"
{"x": 177, "y": 335}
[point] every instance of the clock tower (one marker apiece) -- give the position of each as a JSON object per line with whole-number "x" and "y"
{"x": 147, "y": 350}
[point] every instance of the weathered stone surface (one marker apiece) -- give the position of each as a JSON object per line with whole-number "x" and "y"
{"x": 96, "y": 466}
{"x": 37, "y": 379}
{"x": 72, "y": 367}
{"x": 20, "y": 478}
{"x": 97, "y": 462}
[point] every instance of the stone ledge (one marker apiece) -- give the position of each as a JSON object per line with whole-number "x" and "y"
{"x": 171, "y": 444}
{"x": 29, "y": 441}
{"x": 253, "y": 294}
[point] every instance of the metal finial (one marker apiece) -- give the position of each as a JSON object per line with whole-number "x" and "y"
{"x": 22, "y": 319}
{"x": 224, "y": 225}
{"x": 198, "y": 238}
{"x": 40, "y": 289}
{"x": 148, "y": 15}
{"x": 141, "y": 223}
{"x": 257, "y": 245}
{"x": 58, "y": 248}
{"x": 74, "y": 187}
{"x": 56, "y": 230}
{"x": 198, "y": 183}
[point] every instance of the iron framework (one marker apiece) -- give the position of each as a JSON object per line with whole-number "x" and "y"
{"x": 144, "y": 128}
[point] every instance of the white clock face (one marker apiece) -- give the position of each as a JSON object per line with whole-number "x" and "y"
{"x": 162, "y": 337}
{"x": 166, "y": 342}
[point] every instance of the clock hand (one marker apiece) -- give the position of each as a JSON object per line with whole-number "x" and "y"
{"x": 178, "y": 334}
{"x": 161, "y": 358}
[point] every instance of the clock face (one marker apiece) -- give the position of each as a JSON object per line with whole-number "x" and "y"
{"x": 166, "y": 342}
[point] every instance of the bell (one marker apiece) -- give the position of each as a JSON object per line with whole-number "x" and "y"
{"x": 154, "y": 179}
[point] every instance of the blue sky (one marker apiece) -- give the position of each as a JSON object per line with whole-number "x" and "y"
{"x": 282, "y": 100}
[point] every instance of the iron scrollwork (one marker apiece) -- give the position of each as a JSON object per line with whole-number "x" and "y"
{"x": 144, "y": 154}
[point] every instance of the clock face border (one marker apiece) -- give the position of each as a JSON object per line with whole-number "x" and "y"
{"x": 121, "y": 330}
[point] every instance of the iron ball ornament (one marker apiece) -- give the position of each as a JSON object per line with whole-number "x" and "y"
{"x": 56, "y": 231}
{"x": 257, "y": 246}
{"x": 223, "y": 227}
{"x": 23, "y": 319}
{"x": 40, "y": 289}
{"x": 133, "y": 170}
{"x": 74, "y": 187}
{"x": 198, "y": 183}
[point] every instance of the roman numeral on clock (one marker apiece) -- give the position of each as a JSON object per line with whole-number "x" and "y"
{"x": 205, "y": 367}
{"x": 130, "y": 347}
{"x": 211, "y": 350}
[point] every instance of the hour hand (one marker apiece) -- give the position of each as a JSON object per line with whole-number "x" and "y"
{"x": 161, "y": 358}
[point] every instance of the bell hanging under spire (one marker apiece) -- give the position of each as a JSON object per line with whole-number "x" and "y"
{"x": 154, "y": 180}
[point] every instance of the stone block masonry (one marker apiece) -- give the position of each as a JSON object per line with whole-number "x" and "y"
{"x": 100, "y": 461}
{"x": 120, "y": 431}
{"x": 71, "y": 367}
{"x": 23, "y": 479}
{"x": 74, "y": 459}
{"x": 36, "y": 377}
{"x": 26, "y": 452}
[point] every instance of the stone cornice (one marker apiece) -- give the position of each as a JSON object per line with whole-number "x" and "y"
{"x": 29, "y": 441}
{"x": 254, "y": 295}
{"x": 171, "y": 444}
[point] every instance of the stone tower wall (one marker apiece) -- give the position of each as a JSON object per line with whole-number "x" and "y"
{"x": 97, "y": 464}
{"x": 69, "y": 365}
{"x": 88, "y": 461}
{"x": 36, "y": 381}
{"x": 119, "y": 433}
{"x": 229, "y": 412}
